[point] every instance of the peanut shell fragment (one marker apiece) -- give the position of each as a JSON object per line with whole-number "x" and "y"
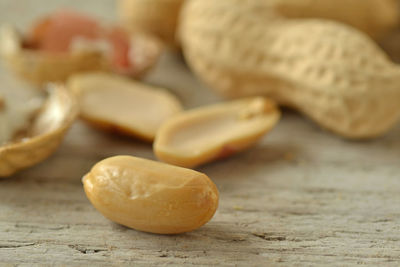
{"x": 2, "y": 103}
{"x": 118, "y": 104}
{"x": 52, "y": 54}
{"x": 201, "y": 135}
{"x": 44, "y": 135}
{"x": 151, "y": 196}
{"x": 18, "y": 109}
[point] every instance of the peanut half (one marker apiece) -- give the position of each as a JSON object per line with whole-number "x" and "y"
{"x": 205, "y": 134}
{"x": 151, "y": 196}
{"x": 2, "y": 103}
{"x": 329, "y": 71}
{"x": 115, "y": 103}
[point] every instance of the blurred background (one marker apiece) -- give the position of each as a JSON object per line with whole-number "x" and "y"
{"x": 23, "y": 12}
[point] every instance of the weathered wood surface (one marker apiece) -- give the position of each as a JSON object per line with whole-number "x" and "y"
{"x": 301, "y": 197}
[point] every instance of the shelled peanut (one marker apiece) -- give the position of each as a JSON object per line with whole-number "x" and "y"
{"x": 329, "y": 71}
{"x": 117, "y": 104}
{"x": 209, "y": 133}
{"x": 151, "y": 196}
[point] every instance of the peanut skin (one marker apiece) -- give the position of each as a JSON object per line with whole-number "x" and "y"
{"x": 329, "y": 71}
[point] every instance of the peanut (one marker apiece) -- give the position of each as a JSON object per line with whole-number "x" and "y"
{"x": 2, "y": 103}
{"x": 115, "y": 103}
{"x": 151, "y": 196}
{"x": 201, "y": 135}
{"x": 329, "y": 71}
{"x": 158, "y": 17}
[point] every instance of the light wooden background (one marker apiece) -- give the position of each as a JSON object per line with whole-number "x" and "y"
{"x": 301, "y": 197}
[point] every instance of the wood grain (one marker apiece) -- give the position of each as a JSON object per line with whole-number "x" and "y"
{"x": 300, "y": 197}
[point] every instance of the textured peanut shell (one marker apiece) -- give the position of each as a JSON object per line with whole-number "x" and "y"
{"x": 329, "y": 71}
{"x": 208, "y": 133}
{"x": 45, "y": 135}
{"x": 151, "y": 196}
{"x": 158, "y": 17}
{"x": 39, "y": 67}
{"x": 1, "y": 102}
{"x": 374, "y": 17}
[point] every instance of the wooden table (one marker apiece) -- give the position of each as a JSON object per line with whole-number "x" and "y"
{"x": 300, "y": 197}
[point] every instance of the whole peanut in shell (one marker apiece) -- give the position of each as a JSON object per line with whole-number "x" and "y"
{"x": 331, "y": 72}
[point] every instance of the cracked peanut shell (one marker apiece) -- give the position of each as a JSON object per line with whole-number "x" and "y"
{"x": 39, "y": 66}
{"x": 44, "y": 135}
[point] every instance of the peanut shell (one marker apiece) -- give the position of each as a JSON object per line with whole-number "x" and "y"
{"x": 40, "y": 67}
{"x": 159, "y": 17}
{"x": 44, "y": 136}
{"x": 329, "y": 71}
